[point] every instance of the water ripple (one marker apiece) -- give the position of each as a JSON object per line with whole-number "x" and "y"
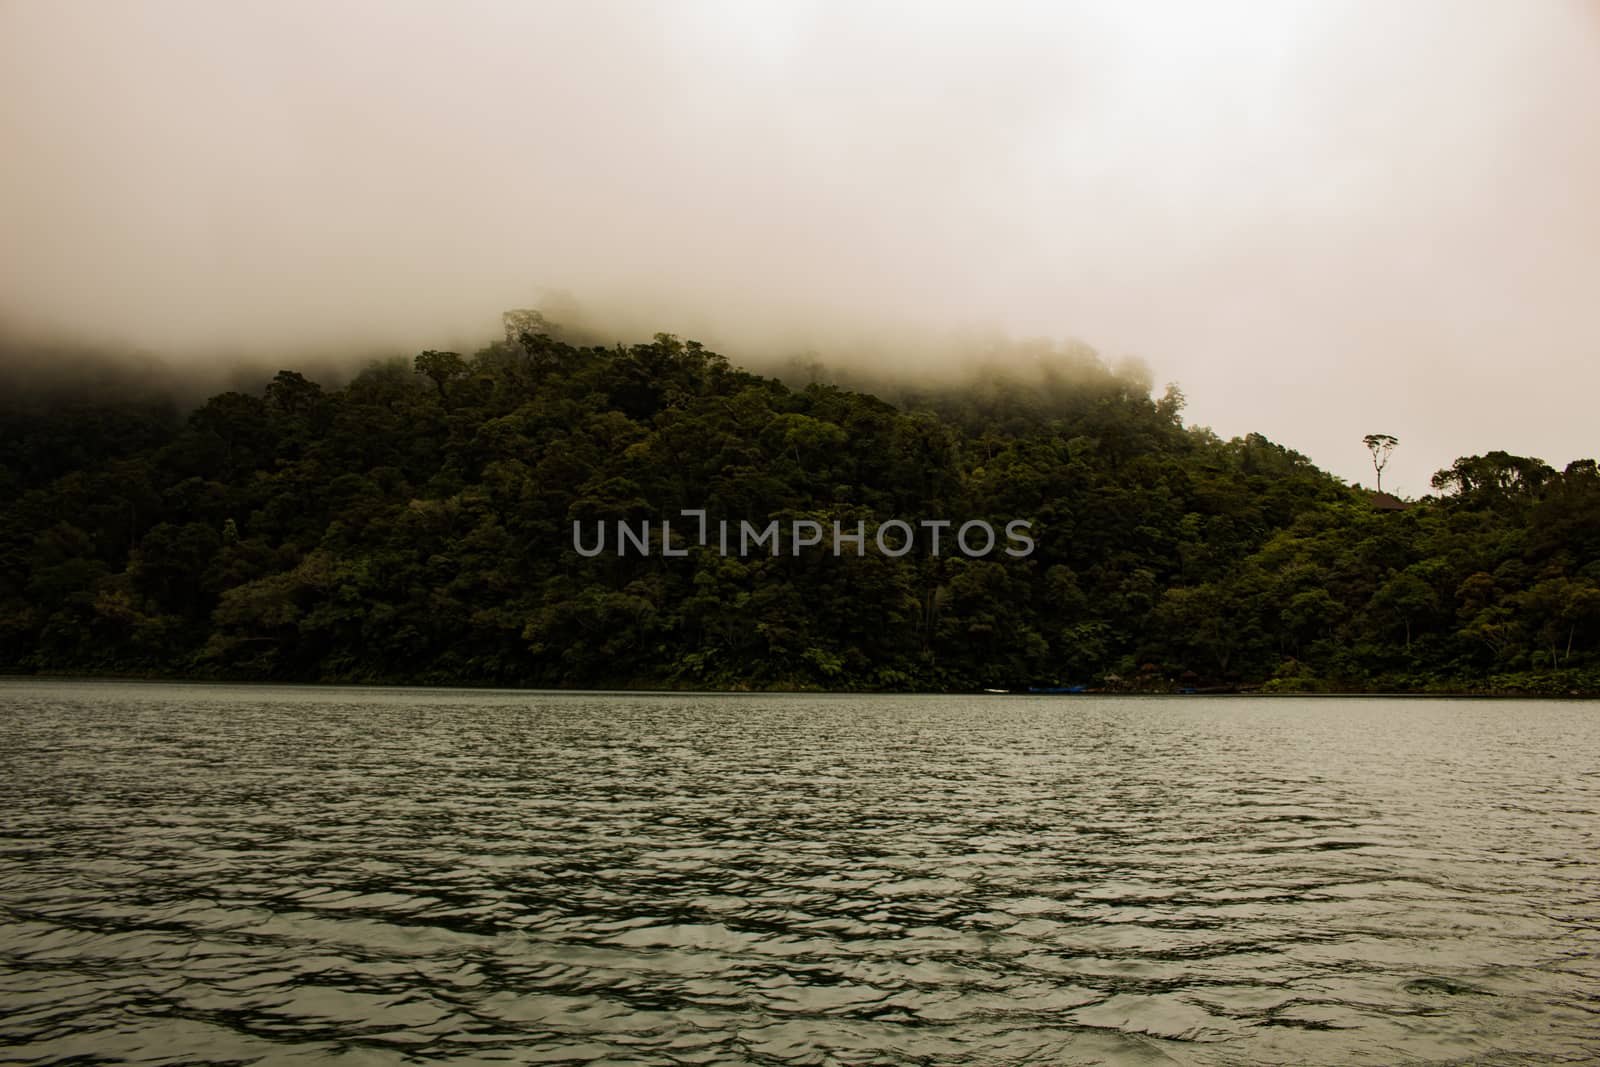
{"x": 241, "y": 875}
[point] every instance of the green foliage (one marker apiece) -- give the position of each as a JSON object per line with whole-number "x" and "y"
{"x": 415, "y": 526}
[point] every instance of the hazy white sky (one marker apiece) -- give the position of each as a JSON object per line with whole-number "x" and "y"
{"x": 1322, "y": 218}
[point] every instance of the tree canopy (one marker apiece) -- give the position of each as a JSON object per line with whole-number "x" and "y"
{"x": 414, "y": 525}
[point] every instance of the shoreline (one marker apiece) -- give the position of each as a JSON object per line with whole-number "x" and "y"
{"x": 638, "y": 690}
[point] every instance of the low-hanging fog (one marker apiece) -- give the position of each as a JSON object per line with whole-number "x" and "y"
{"x": 1322, "y": 219}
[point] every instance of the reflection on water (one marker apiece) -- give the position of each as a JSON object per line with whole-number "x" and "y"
{"x": 233, "y": 875}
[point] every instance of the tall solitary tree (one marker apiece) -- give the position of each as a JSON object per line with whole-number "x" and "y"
{"x": 1381, "y": 445}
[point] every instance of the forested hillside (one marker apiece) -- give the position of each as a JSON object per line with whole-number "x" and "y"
{"x": 415, "y": 525}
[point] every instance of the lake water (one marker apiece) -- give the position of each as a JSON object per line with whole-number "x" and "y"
{"x": 305, "y": 875}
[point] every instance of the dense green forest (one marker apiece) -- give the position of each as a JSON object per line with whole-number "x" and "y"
{"x": 415, "y": 525}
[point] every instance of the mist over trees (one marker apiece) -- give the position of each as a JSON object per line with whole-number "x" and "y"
{"x": 414, "y": 525}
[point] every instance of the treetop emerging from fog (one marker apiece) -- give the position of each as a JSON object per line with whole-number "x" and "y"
{"x": 1316, "y": 215}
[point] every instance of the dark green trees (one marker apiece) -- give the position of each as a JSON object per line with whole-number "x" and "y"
{"x": 415, "y": 525}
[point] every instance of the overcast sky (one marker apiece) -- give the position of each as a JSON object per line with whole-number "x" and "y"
{"x": 1322, "y": 219}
